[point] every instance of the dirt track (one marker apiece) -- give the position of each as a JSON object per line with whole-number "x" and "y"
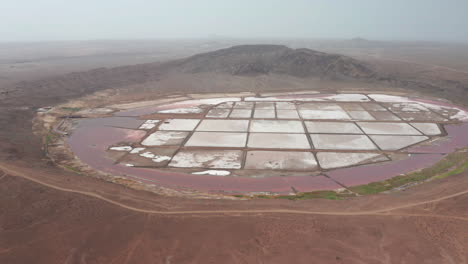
{"x": 46, "y": 225}
{"x": 382, "y": 211}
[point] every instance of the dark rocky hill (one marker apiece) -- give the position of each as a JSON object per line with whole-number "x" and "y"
{"x": 265, "y": 59}
{"x": 245, "y": 60}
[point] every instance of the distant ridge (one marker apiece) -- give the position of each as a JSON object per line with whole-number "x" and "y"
{"x": 244, "y": 60}
{"x": 265, "y": 59}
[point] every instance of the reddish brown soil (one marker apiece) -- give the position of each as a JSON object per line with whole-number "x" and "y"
{"x": 48, "y": 215}
{"x": 45, "y": 225}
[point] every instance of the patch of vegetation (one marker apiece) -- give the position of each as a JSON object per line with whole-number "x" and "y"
{"x": 331, "y": 195}
{"x": 72, "y": 109}
{"x": 455, "y": 171}
{"x": 70, "y": 168}
{"x": 453, "y": 164}
{"x": 49, "y": 138}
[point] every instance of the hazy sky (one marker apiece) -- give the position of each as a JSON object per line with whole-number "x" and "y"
{"x": 37, "y": 20}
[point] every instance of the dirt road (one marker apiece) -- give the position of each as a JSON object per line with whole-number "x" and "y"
{"x": 382, "y": 211}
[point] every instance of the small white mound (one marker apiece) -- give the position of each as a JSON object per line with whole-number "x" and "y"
{"x": 122, "y": 148}
{"x": 136, "y": 150}
{"x": 158, "y": 158}
{"x": 149, "y": 124}
{"x": 147, "y": 154}
{"x": 152, "y": 121}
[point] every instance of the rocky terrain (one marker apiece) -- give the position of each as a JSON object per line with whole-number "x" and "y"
{"x": 277, "y": 59}
{"x": 249, "y": 60}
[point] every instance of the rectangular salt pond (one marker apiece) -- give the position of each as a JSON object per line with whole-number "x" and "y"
{"x": 264, "y": 113}
{"x": 179, "y": 124}
{"x": 332, "y": 127}
{"x": 280, "y": 141}
{"x": 324, "y": 114}
{"x": 342, "y": 142}
{"x": 276, "y": 126}
{"x": 241, "y": 113}
{"x": 388, "y": 128}
{"x": 280, "y": 160}
{"x": 223, "y": 125}
{"x": 217, "y": 139}
{"x": 216, "y": 159}
{"x": 164, "y": 138}
{"x": 287, "y": 114}
{"x": 218, "y": 113}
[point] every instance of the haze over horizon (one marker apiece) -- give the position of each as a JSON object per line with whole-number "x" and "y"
{"x": 54, "y": 20}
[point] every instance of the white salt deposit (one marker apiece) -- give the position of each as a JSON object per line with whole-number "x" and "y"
{"x": 161, "y": 138}
{"x": 158, "y": 158}
{"x": 147, "y": 126}
{"x": 213, "y": 172}
{"x": 222, "y": 159}
{"x": 288, "y": 93}
{"x": 388, "y": 98}
{"x": 179, "y": 124}
{"x": 244, "y": 105}
{"x": 224, "y": 125}
{"x": 152, "y": 121}
{"x": 265, "y": 105}
{"x": 282, "y": 160}
{"x": 241, "y": 113}
{"x": 360, "y": 115}
{"x": 208, "y": 101}
{"x": 287, "y": 114}
{"x": 342, "y": 142}
{"x": 282, "y": 126}
{"x": 189, "y": 110}
{"x": 263, "y": 113}
{"x": 122, "y": 148}
{"x": 214, "y": 101}
{"x": 320, "y": 106}
{"x": 226, "y": 105}
{"x": 461, "y": 114}
{"x": 408, "y": 107}
{"x": 218, "y": 113}
{"x": 278, "y": 140}
{"x": 261, "y": 99}
{"x": 217, "y": 139}
{"x": 285, "y": 106}
{"x": 330, "y": 160}
{"x": 147, "y": 154}
{"x": 336, "y": 97}
{"x": 332, "y": 127}
{"x": 388, "y": 128}
{"x": 396, "y": 142}
{"x": 181, "y": 106}
{"x": 427, "y": 128}
{"x": 348, "y": 98}
{"x": 324, "y": 114}
{"x": 136, "y": 150}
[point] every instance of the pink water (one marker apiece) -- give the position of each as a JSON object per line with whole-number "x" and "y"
{"x": 93, "y": 137}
